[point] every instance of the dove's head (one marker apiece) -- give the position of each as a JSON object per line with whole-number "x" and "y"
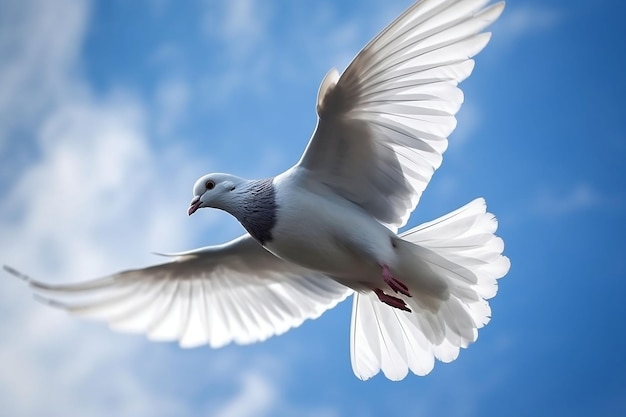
{"x": 214, "y": 190}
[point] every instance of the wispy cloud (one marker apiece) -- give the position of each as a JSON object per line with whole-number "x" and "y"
{"x": 469, "y": 119}
{"x": 573, "y": 199}
{"x": 518, "y": 21}
{"x": 243, "y": 20}
{"x": 36, "y": 53}
{"x": 88, "y": 206}
{"x": 172, "y": 99}
{"x": 240, "y": 28}
{"x": 92, "y": 197}
{"x": 256, "y": 397}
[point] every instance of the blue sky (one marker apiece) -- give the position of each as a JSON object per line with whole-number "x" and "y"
{"x": 110, "y": 110}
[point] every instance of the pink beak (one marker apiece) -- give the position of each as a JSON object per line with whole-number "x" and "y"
{"x": 195, "y": 205}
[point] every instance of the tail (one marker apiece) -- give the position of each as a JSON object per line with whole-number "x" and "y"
{"x": 463, "y": 259}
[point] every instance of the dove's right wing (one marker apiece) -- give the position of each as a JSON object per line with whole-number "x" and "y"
{"x": 384, "y": 123}
{"x": 237, "y": 292}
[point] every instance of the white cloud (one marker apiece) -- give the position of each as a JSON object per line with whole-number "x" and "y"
{"x": 87, "y": 207}
{"x": 172, "y": 99}
{"x": 256, "y": 397}
{"x": 339, "y": 44}
{"x": 97, "y": 197}
{"x": 240, "y": 28}
{"x": 97, "y": 171}
{"x": 36, "y": 53}
{"x": 243, "y": 19}
{"x": 574, "y": 199}
{"x": 92, "y": 196}
{"x": 518, "y": 21}
{"x": 469, "y": 118}
{"x": 260, "y": 392}
{"x": 242, "y": 25}
{"x": 167, "y": 55}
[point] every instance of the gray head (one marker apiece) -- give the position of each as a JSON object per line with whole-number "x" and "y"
{"x": 252, "y": 202}
{"x": 215, "y": 190}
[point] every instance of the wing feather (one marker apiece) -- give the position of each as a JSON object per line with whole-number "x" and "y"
{"x": 462, "y": 249}
{"x": 383, "y": 124}
{"x": 236, "y": 292}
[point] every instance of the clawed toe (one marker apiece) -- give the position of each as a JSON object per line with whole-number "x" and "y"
{"x": 392, "y": 301}
{"x": 396, "y": 285}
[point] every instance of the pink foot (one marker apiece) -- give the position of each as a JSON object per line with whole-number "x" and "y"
{"x": 394, "y": 284}
{"x": 391, "y": 300}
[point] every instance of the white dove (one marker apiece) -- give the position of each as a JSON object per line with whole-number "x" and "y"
{"x": 326, "y": 228}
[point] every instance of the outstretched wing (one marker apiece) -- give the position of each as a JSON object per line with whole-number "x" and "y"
{"x": 237, "y": 292}
{"x": 383, "y": 124}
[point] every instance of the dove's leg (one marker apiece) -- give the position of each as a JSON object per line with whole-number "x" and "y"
{"x": 394, "y": 284}
{"x": 391, "y": 300}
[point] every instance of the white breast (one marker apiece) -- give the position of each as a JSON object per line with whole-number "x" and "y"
{"x": 329, "y": 234}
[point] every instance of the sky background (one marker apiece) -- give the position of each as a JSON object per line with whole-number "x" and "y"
{"x": 110, "y": 110}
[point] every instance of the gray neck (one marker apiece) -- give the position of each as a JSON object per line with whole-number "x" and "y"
{"x": 257, "y": 210}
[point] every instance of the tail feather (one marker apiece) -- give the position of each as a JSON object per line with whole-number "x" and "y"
{"x": 459, "y": 250}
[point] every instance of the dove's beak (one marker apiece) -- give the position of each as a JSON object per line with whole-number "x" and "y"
{"x": 195, "y": 205}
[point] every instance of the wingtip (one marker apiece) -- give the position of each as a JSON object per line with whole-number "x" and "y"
{"x": 495, "y": 11}
{"x": 173, "y": 254}
{"x": 17, "y": 273}
{"x": 163, "y": 254}
{"x": 50, "y": 302}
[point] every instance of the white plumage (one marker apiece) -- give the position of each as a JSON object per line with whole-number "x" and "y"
{"x": 461, "y": 248}
{"x": 327, "y": 227}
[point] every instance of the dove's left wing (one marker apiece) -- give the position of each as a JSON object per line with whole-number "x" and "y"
{"x": 237, "y": 292}
{"x": 383, "y": 124}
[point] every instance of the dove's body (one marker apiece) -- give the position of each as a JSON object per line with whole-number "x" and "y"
{"x": 311, "y": 230}
{"x": 329, "y": 222}
{"x": 351, "y": 251}
{"x": 341, "y": 240}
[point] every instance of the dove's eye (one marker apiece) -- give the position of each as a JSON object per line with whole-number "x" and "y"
{"x": 210, "y": 184}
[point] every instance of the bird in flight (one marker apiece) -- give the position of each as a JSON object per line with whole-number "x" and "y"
{"x": 326, "y": 228}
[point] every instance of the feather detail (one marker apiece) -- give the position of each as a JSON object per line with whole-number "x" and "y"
{"x": 383, "y": 125}
{"x": 236, "y": 292}
{"x": 462, "y": 250}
